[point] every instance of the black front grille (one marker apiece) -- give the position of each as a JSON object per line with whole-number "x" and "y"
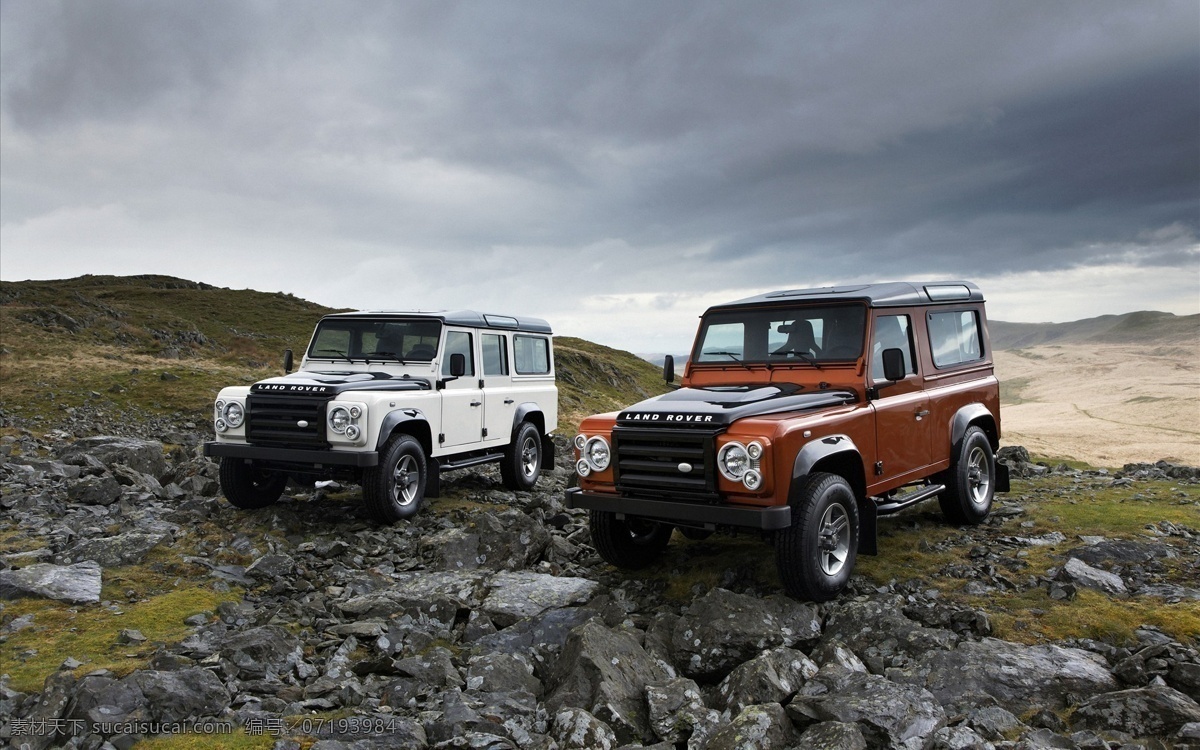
{"x": 648, "y": 461}
{"x": 286, "y": 420}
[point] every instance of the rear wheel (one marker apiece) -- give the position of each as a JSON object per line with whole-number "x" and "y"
{"x": 247, "y": 486}
{"x": 816, "y": 554}
{"x": 631, "y": 543}
{"x": 522, "y": 459}
{"x": 395, "y": 489}
{"x": 971, "y": 480}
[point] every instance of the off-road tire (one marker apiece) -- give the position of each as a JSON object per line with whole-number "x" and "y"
{"x": 248, "y": 487}
{"x": 970, "y": 481}
{"x": 816, "y": 554}
{"x": 630, "y": 544}
{"x": 522, "y": 458}
{"x": 395, "y": 489}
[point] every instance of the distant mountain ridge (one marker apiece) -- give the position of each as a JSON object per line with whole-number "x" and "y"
{"x": 1143, "y": 327}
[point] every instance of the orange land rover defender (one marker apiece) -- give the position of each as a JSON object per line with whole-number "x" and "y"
{"x": 806, "y": 415}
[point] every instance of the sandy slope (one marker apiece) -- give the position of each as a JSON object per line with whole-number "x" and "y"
{"x": 1104, "y": 404}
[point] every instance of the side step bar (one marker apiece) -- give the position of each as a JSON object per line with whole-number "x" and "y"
{"x": 462, "y": 463}
{"x": 897, "y": 504}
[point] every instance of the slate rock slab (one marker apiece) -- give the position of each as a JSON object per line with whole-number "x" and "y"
{"x": 77, "y": 584}
{"x": 516, "y": 596}
{"x": 123, "y": 549}
{"x": 181, "y": 695}
{"x": 1078, "y": 572}
{"x": 145, "y": 456}
{"x": 1021, "y": 678}
{"x": 888, "y": 714}
{"x": 1143, "y": 712}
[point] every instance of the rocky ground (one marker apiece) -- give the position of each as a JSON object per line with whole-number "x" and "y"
{"x": 489, "y": 622}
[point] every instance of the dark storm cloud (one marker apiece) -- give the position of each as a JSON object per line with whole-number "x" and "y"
{"x": 766, "y": 143}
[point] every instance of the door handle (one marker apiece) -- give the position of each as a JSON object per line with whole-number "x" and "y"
{"x": 508, "y": 401}
{"x": 921, "y": 414}
{"x": 476, "y": 403}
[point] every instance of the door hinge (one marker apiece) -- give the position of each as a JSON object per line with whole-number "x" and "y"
{"x": 485, "y": 432}
{"x": 879, "y": 468}
{"x": 441, "y": 437}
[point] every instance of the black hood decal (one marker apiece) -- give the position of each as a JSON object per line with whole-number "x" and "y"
{"x": 308, "y": 383}
{"x": 719, "y": 407}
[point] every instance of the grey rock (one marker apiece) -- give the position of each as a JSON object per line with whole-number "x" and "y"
{"x": 510, "y": 540}
{"x": 544, "y": 636}
{"x": 889, "y": 714}
{"x": 271, "y": 566}
{"x": 1148, "y": 711}
{"x": 771, "y": 677}
{"x": 520, "y": 595}
{"x": 434, "y": 668}
{"x": 959, "y": 738}
{"x": 102, "y": 699}
{"x": 94, "y": 490}
{"x": 145, "y": 456}
{"x": 576, "y": 729}
{"x": 1021, "y": 678}
{"x": 722, "y": 629}
{"x": 123, "y": 549}
{"x": 1078, "y": 572}
{"x": 502, "y": 673}
{"x": 1124, "y": 551}
{"x": 877, "y": 629}
{"x": 758, "y": 727}
{"x": 993, "y": 722}
{"x": 677, "y": 710}
{"x": 263, "y": 651}
{"x": 832, "y": 735}
{"x": 78, "y": 583}
{"x": 181, "y": 695}
{"x": 605, "y": 672}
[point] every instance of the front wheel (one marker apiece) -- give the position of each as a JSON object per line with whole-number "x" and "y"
{"x": 816, "y": 554}
{"x": 395, "y": 489}
{"x": 247, "y": 487}
{"x": 522, "y": 459}
{"x": 971, "y": 480}
{"x": 632, "y": 543}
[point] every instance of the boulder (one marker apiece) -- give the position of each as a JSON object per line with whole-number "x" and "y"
{"x": 1078, "y": 572}
{"x": 94, "y": 490}
{"x": 605, "y": 672}
{"x": 762, "y": 727}
{"x": 145, "y": 456}
{"x": 576, "y": 729}
{"x": 832, "y": 735}
{"x": 722, "y": 629}
{"x": 77, "y": 584}
{"x": 1021, "y": 678}
{"x": 516, "y": 596}
{"x": 877, "y": 629}
{"x": 889, "y": 714}
{"x": 263, "y": 651}
{"x": 123, "y": 549}
{"x": 180, "y": 695}
{"x": 677, "y": 711}
{"x": 1155, "y": 711}
{"x": 502, "y": 673}
{"x": 771, "y": 677}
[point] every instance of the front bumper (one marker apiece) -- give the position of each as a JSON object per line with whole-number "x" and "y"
{"x": 291, "y": 456}
{"x": 744, "y": 516}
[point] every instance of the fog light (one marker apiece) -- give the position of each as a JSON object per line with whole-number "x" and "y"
{"x": 352, "y": 432}
{"x": 582, "y": 468}
{"x": 752, "y": 479}
{"x": 221, "y": 426}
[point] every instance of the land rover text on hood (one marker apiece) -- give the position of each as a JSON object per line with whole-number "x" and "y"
{"x": 389, "y": 400}
{"x": 804, "y": 415}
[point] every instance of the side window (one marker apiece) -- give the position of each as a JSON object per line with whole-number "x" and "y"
{"x": 532, "y": 355}
{"x": 891, "y": 332}
{"x": 495, "y": 354}
{"x": 458, "y": 342}
{"x": 954, "y": 337}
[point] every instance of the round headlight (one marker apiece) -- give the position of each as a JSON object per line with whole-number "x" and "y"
{"x": 582, "y": 468}
{"x": 339, "y": 419}
{"x": 733, "y": 461}
{"x": 754, "y": 450}
{"x": 752, "y": 479}
{"x": 597, "y": 453}
{"x": 221, "y": 426}
{"x": 355, "y": 412}
{"x": 352, "y": 432}
{"x": 234, "y": 414}
{"x": 580, "y": 441}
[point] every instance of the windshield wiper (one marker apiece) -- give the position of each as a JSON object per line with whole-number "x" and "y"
{"x": 731, "y": 355}
{"x": 391, "y": 355}
{"x": 340, "y": 354}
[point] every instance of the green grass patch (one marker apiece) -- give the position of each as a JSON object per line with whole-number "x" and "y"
{"x": 236, "y": 740}
{"x": 1012, "y": 390}
{"x": 1032, "y": 616}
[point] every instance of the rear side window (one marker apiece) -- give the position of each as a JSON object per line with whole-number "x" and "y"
{"x": 495, "y": 355}
{"x": 531, "y": 355}
{"x": 954, "y": 337}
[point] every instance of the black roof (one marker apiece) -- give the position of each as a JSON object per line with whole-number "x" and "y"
{"x": 469, "y": 318}
{"x": 890, "y": 294}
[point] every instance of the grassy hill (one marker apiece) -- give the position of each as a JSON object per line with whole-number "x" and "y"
{"x": 1145, "y": 327}
{"x": 161, "y": 346}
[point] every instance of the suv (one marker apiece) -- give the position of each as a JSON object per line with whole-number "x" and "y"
{"x": 804, "y": 414}
{"x": 389, "y": 400}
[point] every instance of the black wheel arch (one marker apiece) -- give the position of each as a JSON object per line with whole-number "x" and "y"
{"x": 973, "y": 415}
{"x": 837, "y": 454}
{"x": 531, "y": 412}
{"x": 410, "y": 422}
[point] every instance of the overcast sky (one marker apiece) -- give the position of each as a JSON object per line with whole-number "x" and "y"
{"x": 613, "y": 167}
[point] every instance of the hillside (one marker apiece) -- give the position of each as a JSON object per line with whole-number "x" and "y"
{"x": 1146, "y": 327}
{"x": 106, "y": 347}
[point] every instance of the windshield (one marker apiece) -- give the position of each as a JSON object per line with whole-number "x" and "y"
{"x": 782, "y": 335}
{"x": 401, "y": 340}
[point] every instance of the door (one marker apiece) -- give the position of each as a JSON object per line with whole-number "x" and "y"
{"x": 462, "y": 399}
{"x": 499, "y": 401}
{"x": 902, "y": 423}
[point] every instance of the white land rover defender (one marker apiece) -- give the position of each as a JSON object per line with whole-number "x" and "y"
{"x": 389, "y": 400}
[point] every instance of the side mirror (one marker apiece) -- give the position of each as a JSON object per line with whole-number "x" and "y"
{"x": 893, "y": 365}
{"x": 458, "y": 365}
{"x": 288, "y": 361}
{"x": 669, "y": 369}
